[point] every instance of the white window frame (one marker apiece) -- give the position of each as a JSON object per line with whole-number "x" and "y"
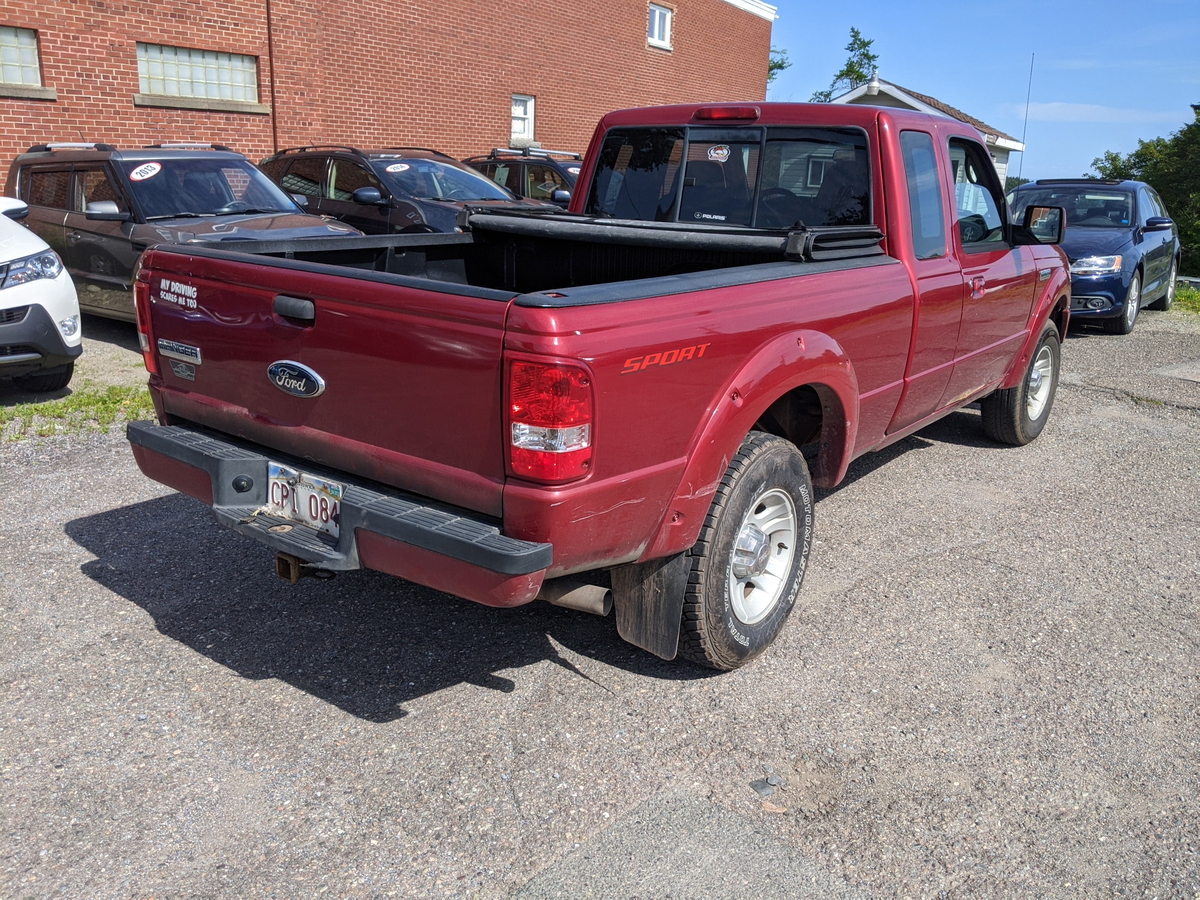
{"x": 659, "y": 26}
{"x": 527, "y": 120}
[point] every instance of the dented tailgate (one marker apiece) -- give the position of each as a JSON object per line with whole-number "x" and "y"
{"x": 390, "y": 378}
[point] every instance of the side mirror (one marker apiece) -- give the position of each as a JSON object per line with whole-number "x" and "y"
{"x": 560, "y": 196}
{"x": 367, "y": 196}
{"x": 1041, "y": 225}
{"x": 301, "y": 200}
{"x": 105, "y": 211}
{"x": 13, "y": 208}
{"x": 1158, "y": 223}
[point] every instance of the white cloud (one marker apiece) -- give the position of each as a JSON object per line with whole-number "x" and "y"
{"x": 1091, "y": 112}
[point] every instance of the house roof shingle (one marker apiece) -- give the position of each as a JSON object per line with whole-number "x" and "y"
{"x": 952, "y": 112}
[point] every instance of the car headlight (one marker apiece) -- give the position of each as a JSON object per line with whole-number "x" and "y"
{"x": 41, "y": 265}
{"x": 1096, "y": 265}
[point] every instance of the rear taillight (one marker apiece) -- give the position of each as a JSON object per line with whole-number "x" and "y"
{"x": 550, "y": 421}
{"x": 141, "y": 306}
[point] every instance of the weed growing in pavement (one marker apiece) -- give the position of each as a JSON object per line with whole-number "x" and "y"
{"x": 1187, "y": 297}
{"x": 87, "y": 408}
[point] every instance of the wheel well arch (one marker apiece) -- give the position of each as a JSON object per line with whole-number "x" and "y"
{"x": 811, "y": 417}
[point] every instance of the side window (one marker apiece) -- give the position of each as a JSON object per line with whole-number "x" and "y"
{"x": 93, "y": 186}
{"x": 1153, "y": 205}
{"x": 346, "y": 177}
{"x": 49, "y": 188}
{"x": 924, "y": 194}
{"x": 976, "y": 195}
{"x": 542, "y": 181}
{"x": 304, "y": 176}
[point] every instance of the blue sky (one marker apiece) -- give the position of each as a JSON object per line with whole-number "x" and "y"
{"x": 1105, "y": 74}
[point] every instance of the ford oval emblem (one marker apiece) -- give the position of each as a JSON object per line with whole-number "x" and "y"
{"x": 296, "y": 379}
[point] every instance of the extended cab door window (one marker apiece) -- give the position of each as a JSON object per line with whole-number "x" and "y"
{"x": 924, "y": 195}
{"x": 977, "y": 197}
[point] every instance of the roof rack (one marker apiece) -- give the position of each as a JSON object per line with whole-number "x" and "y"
{"x": 1078, "y": 181}
{"x": 533, "y": 151}
{"x": 78, "y": 145}
{"x": 188, "y": 145}
{"x": 320, "y": 147}
{"x": 422, "y": 149}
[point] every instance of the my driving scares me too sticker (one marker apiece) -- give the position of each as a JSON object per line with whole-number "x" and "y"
{"x": 144, "y": 171}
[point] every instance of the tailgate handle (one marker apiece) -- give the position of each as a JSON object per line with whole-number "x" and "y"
{"x": 295, "y": 308}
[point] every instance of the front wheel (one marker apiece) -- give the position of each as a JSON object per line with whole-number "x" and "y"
{"x": 747, "y": 565}
{"x": 1167, "y": 300}
{"x": 41, "y": 382}
{"x": 1123, "y": 324}
{"x": 1017, "y": 415}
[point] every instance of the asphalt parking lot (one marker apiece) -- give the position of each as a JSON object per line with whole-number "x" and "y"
{"x": 988, "y": 689}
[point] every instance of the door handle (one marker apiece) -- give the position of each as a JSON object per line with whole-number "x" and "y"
{"x": 73, "y": 237}
{"x": 977, "y": 284}
{"x": 295, "y": 308}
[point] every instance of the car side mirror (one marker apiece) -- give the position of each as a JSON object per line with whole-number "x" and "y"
{"x": 368, "y": 196}
{"x": 1159, "y": 223}
{"x": 1041, "y": 225}
{"x": 560, "y": 196}
{"x": 13, "y": 208}
{"x": 105, "y": 211}
{"x": 301, "y": 200}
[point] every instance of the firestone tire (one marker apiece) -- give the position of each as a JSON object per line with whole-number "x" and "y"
{"x": 750, "y": 558}
{"x": 41, "y": 382}
{"x": 1017, "y": 415}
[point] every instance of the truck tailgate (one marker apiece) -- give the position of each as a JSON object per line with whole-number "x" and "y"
{"x": 412, "y": 376}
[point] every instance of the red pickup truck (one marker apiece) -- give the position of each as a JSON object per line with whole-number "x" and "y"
{"x": 618, "y": 404}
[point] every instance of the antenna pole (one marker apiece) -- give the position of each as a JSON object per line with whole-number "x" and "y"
{"x": 1025, "y": 127}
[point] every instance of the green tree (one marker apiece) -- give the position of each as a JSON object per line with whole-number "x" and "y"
{"x": 776, "y": 63}
{"x": 857, "y": 70}
{"x": 1013, "y": 181}
{"x": 1171, "y": 166}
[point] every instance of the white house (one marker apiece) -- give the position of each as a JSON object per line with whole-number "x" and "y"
{"x": 878, "y": 92}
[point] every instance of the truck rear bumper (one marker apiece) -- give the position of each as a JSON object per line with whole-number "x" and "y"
{"x": 389, "y": 531}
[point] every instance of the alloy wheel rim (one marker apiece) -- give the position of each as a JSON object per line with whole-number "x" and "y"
{"x": 1041, "y": 375}
{"x": 762, "y": 556}
{"x": 1132, "y": 301}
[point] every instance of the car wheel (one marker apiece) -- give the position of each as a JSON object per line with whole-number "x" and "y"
{"x": 1123, "y": 324}
{"x": 1167, "y": 300}
{"x": 747, "y": 565}
{"x": 41, "y": 382}
{"x": 1017, "y": 415}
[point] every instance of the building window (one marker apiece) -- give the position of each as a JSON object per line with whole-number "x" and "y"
{"x": 522, "y": 120}
{"x": 199, "y": 74}
{"x": 659, "y": 30}
{"x": 19, "y": 57}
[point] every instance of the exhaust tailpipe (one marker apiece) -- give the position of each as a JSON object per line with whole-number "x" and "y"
{"x": 572, "y": 594}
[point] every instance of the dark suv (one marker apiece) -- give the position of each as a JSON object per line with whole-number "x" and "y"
{"x": 100, "y": 207}
{"x": 1123, "y": 247}
{"x": 533, "y": 173}
{"x": 400, "y": 189}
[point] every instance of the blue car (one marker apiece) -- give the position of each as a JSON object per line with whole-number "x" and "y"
{"x": 1123, "y": 248}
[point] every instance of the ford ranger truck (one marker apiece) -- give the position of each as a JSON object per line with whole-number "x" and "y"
{"x": 618, "y": 405}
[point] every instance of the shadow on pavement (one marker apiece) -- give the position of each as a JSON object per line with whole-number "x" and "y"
{"x": 365, "y": 642}
{"x": 111, "y": 331}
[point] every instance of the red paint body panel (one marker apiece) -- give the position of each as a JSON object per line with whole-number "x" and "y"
{"x": 444, "y": 573}
{"x": 414, "y": 376}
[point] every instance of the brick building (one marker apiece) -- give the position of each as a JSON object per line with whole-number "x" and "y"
{"x": 459, "y": 76}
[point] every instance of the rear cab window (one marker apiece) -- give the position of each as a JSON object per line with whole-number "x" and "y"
{"x": 774, "y": 177}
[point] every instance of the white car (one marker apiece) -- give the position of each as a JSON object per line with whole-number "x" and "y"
{"x": 40, "y": 336}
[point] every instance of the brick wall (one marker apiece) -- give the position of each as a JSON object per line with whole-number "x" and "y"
{"x": 376, "y": 73}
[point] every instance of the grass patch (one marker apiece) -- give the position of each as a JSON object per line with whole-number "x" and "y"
{"x": 87, "y": 408}
{"x": 1187, "y": 297}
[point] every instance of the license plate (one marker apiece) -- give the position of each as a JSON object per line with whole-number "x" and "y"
{"x": 303, "y": 498}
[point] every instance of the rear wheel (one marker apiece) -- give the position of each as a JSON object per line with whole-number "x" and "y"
{"x": 41, "y": 382}
{"x": 1017, "y": 415}
{"x": 747, "y": 565}
{"x": 1167, "y": 300}
{"x": 1123, "y": 324}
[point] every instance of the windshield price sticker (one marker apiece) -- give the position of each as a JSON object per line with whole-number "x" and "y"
{"x": 299, "y": 497}
{"x": 397, "y": 167}
{"x": 149, "y": 170}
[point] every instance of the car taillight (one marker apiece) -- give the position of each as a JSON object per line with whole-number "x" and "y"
{"x": 141, "y": 306}
{"x": 550, "y": 421}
